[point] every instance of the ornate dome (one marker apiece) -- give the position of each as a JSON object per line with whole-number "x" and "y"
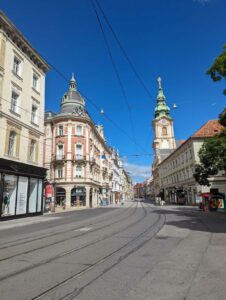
{"x": 72, "y": 100}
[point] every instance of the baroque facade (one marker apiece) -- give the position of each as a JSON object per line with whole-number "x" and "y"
{"x": 22, "y": 98}
{"x": 76, "y": 154}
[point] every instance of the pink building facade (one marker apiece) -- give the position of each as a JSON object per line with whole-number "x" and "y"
{"x": 76, "y": 155}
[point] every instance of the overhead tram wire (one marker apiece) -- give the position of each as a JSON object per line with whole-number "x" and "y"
{"x": 115, "y": 69}
{"x": 123, "y": 50}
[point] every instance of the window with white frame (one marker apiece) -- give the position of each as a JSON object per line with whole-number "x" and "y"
{"x": 79, "y": 130}
{"x": 78, "y": 171}
{"x": 35, "y": 82}
{"x": 60, "y": 151}
{"x": 34, "y": 114}
{"x": 32, "y": 150}
{"x": 16, "y": 66}
{"x": 12, "y": 143}
{"x": 15, "y": 102}
{"x": 61, "y": 130}
{"x": 78, "y": 151}
{"x": 59, "y": 173}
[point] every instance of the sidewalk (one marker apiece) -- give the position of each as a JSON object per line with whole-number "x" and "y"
{"x": 195, "y": 269}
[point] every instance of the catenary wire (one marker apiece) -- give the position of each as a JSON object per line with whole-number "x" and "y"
{"x": 115, "y": 69}
{"x": 123, "y": 49}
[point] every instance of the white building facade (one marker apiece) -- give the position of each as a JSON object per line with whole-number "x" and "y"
{"x": 22, "y": 99}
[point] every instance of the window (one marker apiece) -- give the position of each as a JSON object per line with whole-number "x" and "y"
{"x": 59, "y": 173}
{"x": 12, "y": 140}
{"x": 32, "y": 150}
{"x": 164, "y": 131}
{"x": 79, "y": 130}
{"x": 16, "y": 66}
{"x": 60, "y": 152}
{"x": 78, "y": 171}
{"x": 34, "y": 115}
{"x": 78, "y": 151}
{"x": 61, "y": 130}
{"x": 35, "y": 82}
{"x": 14, "y": 102}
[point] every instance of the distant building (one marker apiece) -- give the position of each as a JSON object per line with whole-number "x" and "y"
{"x": 22, "y": 99}
{"x": 76, "y": 154}
{"x": 176, "y": 171}
{"x": 139, "y": 190}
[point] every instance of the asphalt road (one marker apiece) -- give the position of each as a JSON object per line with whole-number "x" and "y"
{"x": 133, "y": 252}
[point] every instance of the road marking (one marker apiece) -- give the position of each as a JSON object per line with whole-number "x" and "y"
{"x": 83, "y": 229}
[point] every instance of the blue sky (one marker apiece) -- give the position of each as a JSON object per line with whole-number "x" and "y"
{"x": 176, "y": 39}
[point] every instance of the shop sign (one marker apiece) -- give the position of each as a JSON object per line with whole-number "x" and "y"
{"x": 48, "y": 191}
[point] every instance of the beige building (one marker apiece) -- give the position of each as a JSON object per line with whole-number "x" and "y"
{"x": 22, "y": 98}
{"x": 176, "y": 171}
{"x": 76, "y": 155}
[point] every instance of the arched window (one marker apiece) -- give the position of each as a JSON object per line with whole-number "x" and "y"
{"x": 164, "y": 131}
{"x": 12, "y": 140}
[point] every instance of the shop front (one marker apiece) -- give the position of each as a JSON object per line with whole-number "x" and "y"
{"x": 21, "y": 189}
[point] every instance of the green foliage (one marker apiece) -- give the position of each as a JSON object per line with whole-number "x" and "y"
{"x": 218, "y": 69}
{"x": 212, "y": 157}
{"x": 222, "y": 118}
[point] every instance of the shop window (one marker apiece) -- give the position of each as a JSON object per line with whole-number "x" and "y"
{"x": 9, "y": 195}
{"x": 40, "y": 196}
{"x": 33, "y": 195}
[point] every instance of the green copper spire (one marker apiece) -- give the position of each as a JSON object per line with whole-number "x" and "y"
{"x": 161, "y": 108}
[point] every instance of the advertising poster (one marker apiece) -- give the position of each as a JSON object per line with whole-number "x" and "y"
{"x": 22, "y": 195}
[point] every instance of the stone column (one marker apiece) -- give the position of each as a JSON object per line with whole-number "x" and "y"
{"x": 87, "y": 196}
{"x": 68, "y": 197}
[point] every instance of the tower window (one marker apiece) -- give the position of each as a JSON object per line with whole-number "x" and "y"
{"x": 164, "y": 131}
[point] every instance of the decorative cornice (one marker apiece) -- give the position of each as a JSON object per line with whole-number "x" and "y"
{"x": 19, "y": 40}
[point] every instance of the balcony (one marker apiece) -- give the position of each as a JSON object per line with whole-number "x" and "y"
{"x": 58, "y": 158}
{"x": 79, "y": 157}
{"x": 92, "y": 160}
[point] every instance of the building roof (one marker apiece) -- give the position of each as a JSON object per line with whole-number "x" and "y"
{"x": 16, "y": 36}
{"x": 209, "y": 129}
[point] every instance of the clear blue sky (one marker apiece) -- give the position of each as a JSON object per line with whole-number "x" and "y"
{"x": 176, "y": 39}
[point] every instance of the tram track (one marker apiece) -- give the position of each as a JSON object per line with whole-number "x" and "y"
{"x": 52, "y": 259}
{"x": 158, "y": 224}
{"x": 51, "y": 234}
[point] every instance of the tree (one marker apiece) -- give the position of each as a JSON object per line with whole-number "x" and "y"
{"x": 218, "y": 69}
{"x": 212, "y": 157}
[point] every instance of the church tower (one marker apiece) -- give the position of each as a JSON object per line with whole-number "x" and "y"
{"x": 164, "y": 141}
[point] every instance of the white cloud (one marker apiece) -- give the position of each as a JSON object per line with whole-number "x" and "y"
{"x": 203, "y": 2}
{"x": 137, "y": 171}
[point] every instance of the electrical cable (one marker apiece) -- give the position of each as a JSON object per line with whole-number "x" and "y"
{"x": 123, "y": 50}
{"x": 115, "y": 69}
